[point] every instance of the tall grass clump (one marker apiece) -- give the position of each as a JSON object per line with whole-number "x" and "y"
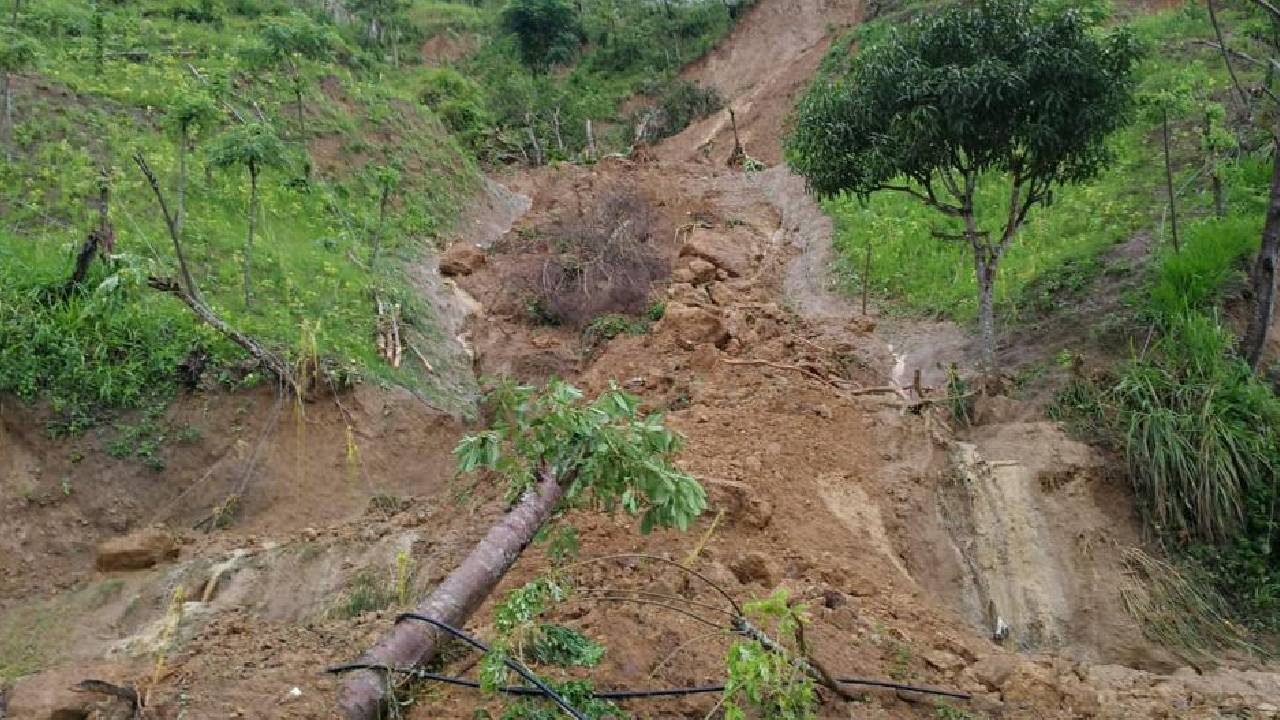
{"x": 1199, "y": 432}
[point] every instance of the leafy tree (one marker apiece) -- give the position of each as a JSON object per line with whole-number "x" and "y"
{"x": 1216, "y": 142}
{"x": 192, "y": 112}
{"x": 254, "y": 147}
{"x": 385, "y": 19}
{"x": 17, "y": 53}
{"x": 978, "y": 93}
{"x": 547, "y": 32}
{"x": 1158, "y": 105}
{"x": 387, "y": 180}
{"x": 285, "y": 43}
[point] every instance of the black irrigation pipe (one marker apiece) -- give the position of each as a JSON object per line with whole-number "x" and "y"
{"x": 521, "y": 690}
{"x": 520, "y": 669}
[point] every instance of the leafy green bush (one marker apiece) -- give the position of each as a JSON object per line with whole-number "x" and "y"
{"x": 1201, "y": 436}
{"x": 547, "y": 32}
{"x": 459, "y": 102}
{"x": 564, "y": 646}
{"x": 682, "y": 103}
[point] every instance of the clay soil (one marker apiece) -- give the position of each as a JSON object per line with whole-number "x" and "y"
{"x": 906, "y": 538}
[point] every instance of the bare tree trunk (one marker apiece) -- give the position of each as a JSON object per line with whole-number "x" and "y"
{"x": 591, "y": 141}
{"x": 1168, "y": 181}
{"x": 98, "y": 241}
{"x": 180, "y": 204}
{"x": 248, "y": 246}
{"x": 1263, "y": 277}
{"x": 189, "y": 294}
{"x": 985, "y": 268}
{"x": 1219, "y": 198}
{"x": 273, "y": 362}
{"x": 382, "y": 221}
{"x": 866, "y": 276}
{"x": 8, "y": 111}
{"x": 362, "y": 695}
{"x": 533, "y": 140}
{"x": 171, "y": 222}
{"x": 555, "y": 123}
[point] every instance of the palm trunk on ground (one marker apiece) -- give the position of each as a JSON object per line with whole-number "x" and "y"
{"x": 363, "y": 693}
{"x": 1262, "y": 279}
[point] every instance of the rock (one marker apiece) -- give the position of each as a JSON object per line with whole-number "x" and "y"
{"x": 687, "y": 294}
{"x": 943, "y": 660}
{"x": 723, "y": 252}
{"x": 994, "y": 671}
{"x": 701, "y": 270}
{"x": 705, "y": 358}
{"x": 461, "y": 259}
{"x": 822, "y": 411}
{"x": 993, "y": 409}
{"x": 682, "y": 275}
{"x": 693, "y": 326}
{"x": 755, "y": 567}
{"x": 136, "y": 551}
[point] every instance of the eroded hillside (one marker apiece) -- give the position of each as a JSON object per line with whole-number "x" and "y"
{"x": 990, "y": 561}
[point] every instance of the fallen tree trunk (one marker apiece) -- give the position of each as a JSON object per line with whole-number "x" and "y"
{"x": 270, "y": 360}
{"x": 363, "y": 693}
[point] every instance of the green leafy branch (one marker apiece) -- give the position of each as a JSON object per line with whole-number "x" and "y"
{"x": 608, "y": 453}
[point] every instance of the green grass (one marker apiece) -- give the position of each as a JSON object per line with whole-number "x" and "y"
{"x": 1060, "y": 245}
{"x": 117, "y": 343}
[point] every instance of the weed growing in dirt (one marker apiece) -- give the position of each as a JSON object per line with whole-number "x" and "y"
{"x": 770, "y": 681}
{"x": 610, "y": 326}
{"x": 564, "y": 646}
{"x": 369, "y": 591}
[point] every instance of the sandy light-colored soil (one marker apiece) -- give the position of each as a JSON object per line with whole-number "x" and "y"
{"x": 911, "y": 542}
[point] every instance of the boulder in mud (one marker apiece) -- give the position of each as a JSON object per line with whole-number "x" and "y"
{"x": 693, "y": 326}
{"x": 461, "y": 259}
{"x": 137, "y": 550}
{"x": 723, "y": 252}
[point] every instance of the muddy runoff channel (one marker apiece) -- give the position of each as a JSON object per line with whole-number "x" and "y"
{"x": 1020, "y": 526}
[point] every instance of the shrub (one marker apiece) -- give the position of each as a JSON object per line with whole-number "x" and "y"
{"x": 458, "y": 101}
{"x": 547, "y": 32}
{"x": 606, "y": 262}
{"x": 683, "y": 103}
{"x": 1201, "y": 436}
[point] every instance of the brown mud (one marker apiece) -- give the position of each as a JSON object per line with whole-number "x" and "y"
{"x": 911, "y": 541}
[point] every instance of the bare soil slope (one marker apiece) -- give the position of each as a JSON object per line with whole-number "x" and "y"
{"x": 910, "y": 542}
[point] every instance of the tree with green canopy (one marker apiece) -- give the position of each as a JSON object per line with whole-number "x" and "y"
{"x": 17, "y": 53}
{"x": 285, "y": 43}
{"x": 254, "y": 147}
{"x": 547, "y": 32}
{"x": 994, "y": 91}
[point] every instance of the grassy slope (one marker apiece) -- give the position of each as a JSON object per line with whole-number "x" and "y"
{"x": 118, "y": 344}
{"x": 924, "y": 275}
{"x": 1196, "y": 426}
